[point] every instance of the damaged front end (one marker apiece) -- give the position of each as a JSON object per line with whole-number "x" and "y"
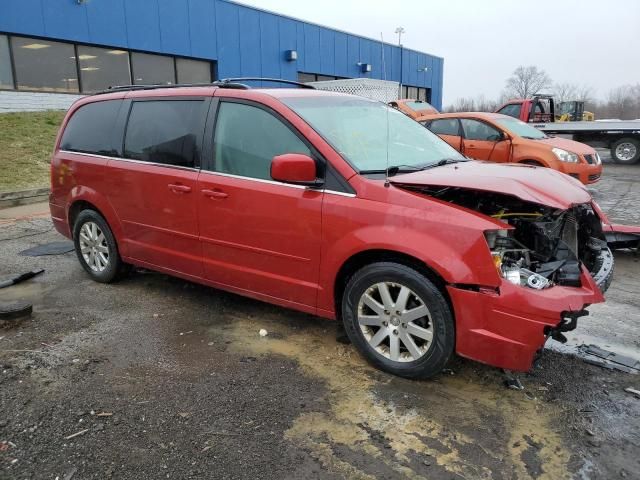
{"x": 553, "y": 263}
{"x": 540, "y": 246}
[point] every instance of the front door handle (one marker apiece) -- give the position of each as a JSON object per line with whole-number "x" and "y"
{"x": 177, "y": 188}
{"x": 215, "y": 193}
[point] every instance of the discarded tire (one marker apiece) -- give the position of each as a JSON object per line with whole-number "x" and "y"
{"x": 11, "y": 313}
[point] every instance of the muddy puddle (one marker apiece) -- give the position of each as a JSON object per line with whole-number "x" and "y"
{"x": 456, "y": 426}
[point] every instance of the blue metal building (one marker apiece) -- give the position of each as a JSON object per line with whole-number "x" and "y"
{"x": 49, "y": 45}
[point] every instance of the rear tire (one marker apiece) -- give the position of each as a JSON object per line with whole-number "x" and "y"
{"x": 626, "y": 151}
{"x": 398, "y": 320}
{"x": 96, "y": 247}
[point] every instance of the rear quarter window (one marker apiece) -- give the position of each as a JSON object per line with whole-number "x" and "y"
{"x": 90, "y": 129}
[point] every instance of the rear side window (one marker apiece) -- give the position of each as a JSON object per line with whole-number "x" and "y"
{"x": 247, "y": 138}
{"x": 90, "y": 129}
{"x": 447, "y": 126}
{"x": 164, "y": 132}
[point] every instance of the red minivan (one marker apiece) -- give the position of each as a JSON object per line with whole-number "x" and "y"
{"x": 334, "y": 205}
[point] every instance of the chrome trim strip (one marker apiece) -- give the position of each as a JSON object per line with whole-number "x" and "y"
{"x": 141, "y": 162}
{"x": 208, "y": 172}
{"x": 260, "y": 180}
{"x": 342, "y": 194}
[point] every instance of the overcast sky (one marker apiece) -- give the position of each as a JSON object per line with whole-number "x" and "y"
{"x": 592, "y": 42}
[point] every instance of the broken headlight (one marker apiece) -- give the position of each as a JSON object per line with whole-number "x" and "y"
{"x": 511, "y": 259}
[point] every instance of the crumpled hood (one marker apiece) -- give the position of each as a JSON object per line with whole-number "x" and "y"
{"x": 532, "y": 184}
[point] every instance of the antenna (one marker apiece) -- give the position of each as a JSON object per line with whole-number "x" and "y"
{"x": 384, "y": 65}
{"x": 386, "y": 170}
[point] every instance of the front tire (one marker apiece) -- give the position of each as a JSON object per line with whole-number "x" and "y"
{"x": 398, "y": 320}
{"x": 626, "y": 151}
{"x": 96, "y": 247}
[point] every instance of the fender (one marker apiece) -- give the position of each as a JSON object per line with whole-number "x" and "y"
{"x": 87, "y": 194}
{"x": 465, "y": 262}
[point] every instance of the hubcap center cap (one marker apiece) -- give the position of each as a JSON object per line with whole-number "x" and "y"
{"x": 395, "y": 321}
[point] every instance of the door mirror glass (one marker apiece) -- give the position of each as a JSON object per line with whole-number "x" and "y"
{"x": 294, "y": 168}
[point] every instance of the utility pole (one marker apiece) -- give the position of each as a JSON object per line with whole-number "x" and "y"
{"x": 400, "y": 31}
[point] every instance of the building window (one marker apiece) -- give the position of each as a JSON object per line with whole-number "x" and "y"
{"x": 193, "y": 71}
{"x": 44, "y": 65}
{"x": 416, "y": 93}
{"x": 151, "y": 69}
{"x": 6, "y": 74}
{"x": 315, "y": 77}
{"x": 101, "y": 68}
{"x": 48, "y": 66}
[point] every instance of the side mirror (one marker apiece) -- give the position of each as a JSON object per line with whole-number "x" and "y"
{"x": 295, "y": 168}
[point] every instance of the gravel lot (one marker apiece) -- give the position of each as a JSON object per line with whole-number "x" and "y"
{"x": 161, "y": 378}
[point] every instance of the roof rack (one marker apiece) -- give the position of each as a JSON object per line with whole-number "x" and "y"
{"x": 270, "y": 80}
{"x": 127, "y": 88}
{"x": 225, "y": 83}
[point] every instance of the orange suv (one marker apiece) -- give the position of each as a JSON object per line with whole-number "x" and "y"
{"x": 500, "y": 138}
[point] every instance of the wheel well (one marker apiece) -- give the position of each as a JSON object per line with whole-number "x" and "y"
{"x": 76, "y": 208}
{"x": 532, "y": 162}
{"x": 362, "y": 259}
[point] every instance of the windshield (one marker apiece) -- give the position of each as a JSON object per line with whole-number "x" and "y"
{"x": 419, "y": 106}
{"x": 364, "y": 132}
{"x": 519, "y": 128}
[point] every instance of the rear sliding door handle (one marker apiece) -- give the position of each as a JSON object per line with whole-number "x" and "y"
{"x": 214, "y": 194}
{"x": 177, "y": 188}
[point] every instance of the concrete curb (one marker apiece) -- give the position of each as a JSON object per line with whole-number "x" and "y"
{"x": 23, "y": 197}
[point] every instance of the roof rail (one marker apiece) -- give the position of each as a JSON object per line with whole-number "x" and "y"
{"x": 225, "y": 83}
{"x": 263, "y": 79}
{"x": 128, "y": 88}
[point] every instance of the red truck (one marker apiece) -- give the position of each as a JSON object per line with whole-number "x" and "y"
{"x": 622, "y": 138}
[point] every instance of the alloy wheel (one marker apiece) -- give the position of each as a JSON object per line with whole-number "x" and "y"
{"x": 94, "y": 247}
{"x": 626, "y": 151}
{"x": 395, "y": 322}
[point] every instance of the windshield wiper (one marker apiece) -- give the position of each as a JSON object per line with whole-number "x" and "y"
{"x": 396, "y": 169}
{"x": 445, "y": 161}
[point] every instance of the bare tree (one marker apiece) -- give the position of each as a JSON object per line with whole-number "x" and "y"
{"x": 468, "y": 104}
{"x": 525, "y": 82}
{"x": 621, "y": 102}
{"x": 564, "y": 92}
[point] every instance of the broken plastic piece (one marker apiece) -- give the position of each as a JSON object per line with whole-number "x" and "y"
{"x": 20, "y": 278}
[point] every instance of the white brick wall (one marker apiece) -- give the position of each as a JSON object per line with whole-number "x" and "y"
{"x": 33, "y": 102}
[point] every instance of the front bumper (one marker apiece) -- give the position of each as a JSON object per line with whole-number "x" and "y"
{"x": 506, "y": 328}
{"x": 585, "y": 172}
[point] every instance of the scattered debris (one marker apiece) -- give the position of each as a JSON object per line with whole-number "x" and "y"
{"x": 20, "y": 278}
{"x": 53, "y": 248}
{"x": 263, "y": 332}
{"x": 71, "y": 473}
{"x": 609, "y": 359}
{"x": 633, "y": 391}
{"x": 511, "y": 381}
{"x": 77, "y": 434}
{"x": 104, "y": 414}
